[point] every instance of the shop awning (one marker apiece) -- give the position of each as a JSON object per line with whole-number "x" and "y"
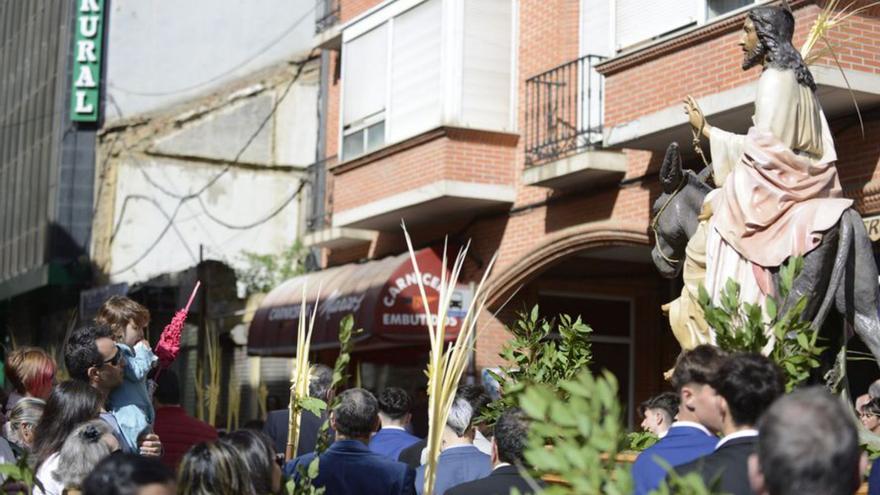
{"x": 382, "y": 295}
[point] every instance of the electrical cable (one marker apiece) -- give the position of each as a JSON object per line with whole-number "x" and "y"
{"x": 263, "y": 220}
{"x": 244, "y": 148}
{"x": 184, "y": 198}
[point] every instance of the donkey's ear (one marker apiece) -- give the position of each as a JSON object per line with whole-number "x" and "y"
{"x": 671, "y": 174}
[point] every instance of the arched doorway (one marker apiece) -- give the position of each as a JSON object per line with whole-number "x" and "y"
{"x": 611, "y": 283}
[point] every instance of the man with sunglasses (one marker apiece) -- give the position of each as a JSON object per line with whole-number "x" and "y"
{"x": 91, "y": 356}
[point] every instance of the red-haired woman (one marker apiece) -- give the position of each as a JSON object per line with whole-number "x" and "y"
{"x": 31, "y": 371}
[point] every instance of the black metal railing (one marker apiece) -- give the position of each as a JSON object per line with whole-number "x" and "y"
{"x": 563, "y": 110}
{"x": 326, "y": 14}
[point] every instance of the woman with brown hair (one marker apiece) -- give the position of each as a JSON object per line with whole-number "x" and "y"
{"x": 213, "y": 468}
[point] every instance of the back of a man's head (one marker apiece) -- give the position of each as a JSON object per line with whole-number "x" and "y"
{"x": 167, "y": 388}
{"x": 511, "y": 436}
{"x": 749, "y": 383}
{"x": 81, "y": 352}
{"x": 667, "y": 403}
{"x": 356, "y": 414}
{"x": 476, "y": 395}
{"x": 697, "y": 366}
{"x": 320, "y": 379}
{"x": 460, "y": 416}
{"x": 394, "y": 403}
{"x": 808, "y": 445}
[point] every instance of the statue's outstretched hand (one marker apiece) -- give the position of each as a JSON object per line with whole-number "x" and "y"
{"x": 695, "y": 116}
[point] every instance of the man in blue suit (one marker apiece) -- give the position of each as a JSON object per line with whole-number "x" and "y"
{"x": 394, "y": 412}
{"x": 459, "y": 461}
{"x": 687, "y": 439}
{"x": 348, "y": 467}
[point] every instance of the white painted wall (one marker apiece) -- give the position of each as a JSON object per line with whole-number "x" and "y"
{"x": 182, "y": 158}
{"x": 163, "y": 52}
{"x": 240, "y": 197}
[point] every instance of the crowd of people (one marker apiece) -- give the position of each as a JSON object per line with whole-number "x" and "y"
{"x": 116, "y": 426}
{"x": 731, "y": 422}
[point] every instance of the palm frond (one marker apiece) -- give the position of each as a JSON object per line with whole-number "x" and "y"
{"x": 446, "y": 362}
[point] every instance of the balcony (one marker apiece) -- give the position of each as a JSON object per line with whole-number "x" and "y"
{"x": 326, "y": 14}
{"x": 644, "y": 87}
{"x": 427, "y": 133}
{"x": 328, "y": 35}
{"x": 732, "y": 109}
{"x": 563, "y": 128}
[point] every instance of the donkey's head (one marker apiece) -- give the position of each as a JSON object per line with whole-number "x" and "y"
{"x": 676, "y": 212}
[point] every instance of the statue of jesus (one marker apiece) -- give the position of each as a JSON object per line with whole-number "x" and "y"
{"x": 778, "y": 188}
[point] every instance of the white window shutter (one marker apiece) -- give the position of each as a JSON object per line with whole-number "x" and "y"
{"x": 416, "y": 81}
{"x": 640, "y": 20}
{"x": 364, "y": 80}
{"x": 487, "y": 64}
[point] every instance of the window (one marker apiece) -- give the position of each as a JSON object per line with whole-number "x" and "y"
{"x": 413, "y": 65}
{"x": 715, "y": 8}
{"x": 641, "y": 20}
{"x": 365, "y": 78}
{"x": 637, "y": 22}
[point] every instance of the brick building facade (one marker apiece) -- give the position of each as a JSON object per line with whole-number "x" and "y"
{"x": 566, "y": 204}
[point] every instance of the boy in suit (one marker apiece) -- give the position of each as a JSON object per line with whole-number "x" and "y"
{"x": 687, "y": 439}
{"x": 394, "y": 412}
{"x": 744, "y": 387}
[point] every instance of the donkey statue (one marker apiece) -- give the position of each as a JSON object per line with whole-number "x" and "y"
{"x": 840, "y": 273}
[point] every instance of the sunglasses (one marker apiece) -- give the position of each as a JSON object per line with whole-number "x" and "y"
{"x": 114, "y": 360}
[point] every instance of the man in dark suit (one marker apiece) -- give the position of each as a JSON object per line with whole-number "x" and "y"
{"x": 744, "y": 387}
{"x": 687, "y": 439}
{"x": 511, "y": 432}
{"x": 348, "y": 467}
{"x": 395, "y": 415}
{"x": 278, "y": 422}
{"x": 808, "y": 445}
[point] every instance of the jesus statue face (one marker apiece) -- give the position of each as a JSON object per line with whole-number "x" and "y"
{"x": 753, "y": 49}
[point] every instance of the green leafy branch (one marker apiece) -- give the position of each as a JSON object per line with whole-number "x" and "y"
{"x": 263, "y": 272}
{"x": 638, "y": 441}
{"x": 340, "y": 374}
{"x": 302, "y": 483}
{"x": 540, "y": 352}
{"x": 740, "y": 326}
{"x": 20, "y": 473}
{"x": 574, "y": 438}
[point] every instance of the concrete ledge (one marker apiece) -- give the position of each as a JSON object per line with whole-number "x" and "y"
{"x": 732, "y": 110}
{"x": 435, "y": 202}
{"x": 328, "y": 39}
{"x": 588, "y": 167}
{"x": 339, "y": 237}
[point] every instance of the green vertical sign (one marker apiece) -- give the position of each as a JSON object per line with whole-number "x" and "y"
{"x": 85, "y": 95}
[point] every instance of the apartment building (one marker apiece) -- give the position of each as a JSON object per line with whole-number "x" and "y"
{"x": 534, "y": 129}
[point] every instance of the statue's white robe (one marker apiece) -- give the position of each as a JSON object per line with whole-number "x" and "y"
{"x": 778, "y": 188}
